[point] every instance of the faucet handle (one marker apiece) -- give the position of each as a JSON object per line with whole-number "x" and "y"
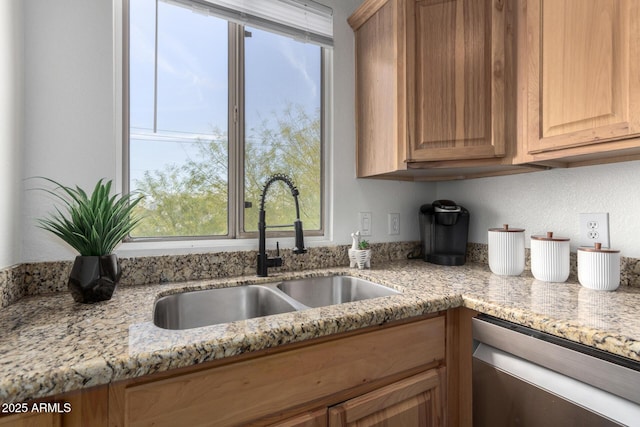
{"x": 275, "y": 261}
{"x": 299, "y": 248}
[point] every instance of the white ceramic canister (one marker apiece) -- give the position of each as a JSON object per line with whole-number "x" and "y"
{"x": 550, "y": 258}
{"x": 506, "y": 250}
{"x": 599, "y": 268}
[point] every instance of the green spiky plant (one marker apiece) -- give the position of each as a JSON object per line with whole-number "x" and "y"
{"x": 93, "y": 225}
{"x": 363, "y": 245}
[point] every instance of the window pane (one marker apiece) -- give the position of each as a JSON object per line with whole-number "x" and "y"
{"x": 181, "y": 165}
{"x": 282, "y": 127}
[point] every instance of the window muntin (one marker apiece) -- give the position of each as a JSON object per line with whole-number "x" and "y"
{"x": 184, "y": 121}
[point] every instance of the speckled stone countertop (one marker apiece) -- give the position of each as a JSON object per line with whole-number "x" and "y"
{"x": 50, "y": 344}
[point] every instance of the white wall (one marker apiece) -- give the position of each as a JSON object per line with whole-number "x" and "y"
{"x": 11, "y": 115}
{"x": 71, "y": 118}
{"x": 380, "y": 197}
{"x": 551, "y": 201}
{"x": 69, "y": 121}
{"x": 69, "y": 135}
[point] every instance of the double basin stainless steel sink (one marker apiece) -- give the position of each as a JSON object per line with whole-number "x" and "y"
{"x": 213, "y": 306}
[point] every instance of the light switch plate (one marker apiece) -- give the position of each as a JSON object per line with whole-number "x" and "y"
{"x": 365, "y": 223}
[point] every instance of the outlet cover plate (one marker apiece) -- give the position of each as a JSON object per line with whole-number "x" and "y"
{"x": 594, "y": 228}
{"x": 394, "y": 223}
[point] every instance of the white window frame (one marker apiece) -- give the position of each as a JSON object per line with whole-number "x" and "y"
{"x": 244, "y": 241}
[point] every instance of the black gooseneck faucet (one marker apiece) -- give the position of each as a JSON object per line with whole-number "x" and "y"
{"x": 265, "y": 262}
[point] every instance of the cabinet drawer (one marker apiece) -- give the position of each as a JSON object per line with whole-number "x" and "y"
{"x": 247, "y": 390}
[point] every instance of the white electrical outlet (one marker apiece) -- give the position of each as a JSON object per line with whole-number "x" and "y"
{"x": 594, "y": 228}
{"x": 365, "y": 223}
{"x": 394, "y": 223}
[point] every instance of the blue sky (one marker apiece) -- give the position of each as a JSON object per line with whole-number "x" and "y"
{"x": 193, "y": 83}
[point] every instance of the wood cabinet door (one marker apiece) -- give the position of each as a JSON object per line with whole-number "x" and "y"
{"x": 380, "y": 87}
{"x": 456, "y": 95}
{"x": 582, "y": 72}
{"x": 415, "y": 401}
{"x": 317, "y": 418}
{"x": 31, "y": 419}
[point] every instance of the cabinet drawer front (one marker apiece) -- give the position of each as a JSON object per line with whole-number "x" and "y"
{"x": 247, "y": 390}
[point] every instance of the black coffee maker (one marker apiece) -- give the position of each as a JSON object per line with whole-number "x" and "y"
{"x": 444, "y": 228}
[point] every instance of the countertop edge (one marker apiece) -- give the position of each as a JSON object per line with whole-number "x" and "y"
{"x": 427, "y": 289}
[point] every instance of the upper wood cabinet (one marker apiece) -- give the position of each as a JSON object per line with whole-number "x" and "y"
{"x": 433, "y": 90}
{"x": 455, "y": 79}
{"x": 451, "y": 89}
{"x": 580, "y": 77}
{"x": 381, "y": 92}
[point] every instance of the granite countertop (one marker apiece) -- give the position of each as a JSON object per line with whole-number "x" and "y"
{"x": 52, "y": 345}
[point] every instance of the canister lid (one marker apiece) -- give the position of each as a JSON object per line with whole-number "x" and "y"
{"x": 597, "y": 247}
{"x": 549, "y": 237}
{"x": 505, "y": 228}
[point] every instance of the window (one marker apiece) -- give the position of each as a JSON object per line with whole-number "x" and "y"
{"x": 215, "y": 107}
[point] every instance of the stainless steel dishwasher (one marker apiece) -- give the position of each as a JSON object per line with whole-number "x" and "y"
{"x": 524, "y": 377}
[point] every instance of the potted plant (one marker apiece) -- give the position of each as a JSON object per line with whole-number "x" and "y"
{"x": 363, "y": 245}
{"x": 93, "y": 225}
{"x": 360, "y": 252}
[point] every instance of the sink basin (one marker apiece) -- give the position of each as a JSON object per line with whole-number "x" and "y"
{"x": 330, "y": 290}
{"x": 209, "y": 307}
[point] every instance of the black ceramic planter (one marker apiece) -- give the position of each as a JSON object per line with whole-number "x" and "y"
{"x": 94, "y": 278}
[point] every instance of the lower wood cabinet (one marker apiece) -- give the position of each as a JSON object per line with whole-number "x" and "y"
{"x": 82, "y": 408}
{"x": 262, "y": 390}
{"x": 31, "y": 419}
{"x": 399, "y": 374}
{"x": 415, "y": 401}
{"x": 316, "y": 418}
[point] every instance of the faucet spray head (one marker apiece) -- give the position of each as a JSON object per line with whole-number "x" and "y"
{"x": 299, "y": 247}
